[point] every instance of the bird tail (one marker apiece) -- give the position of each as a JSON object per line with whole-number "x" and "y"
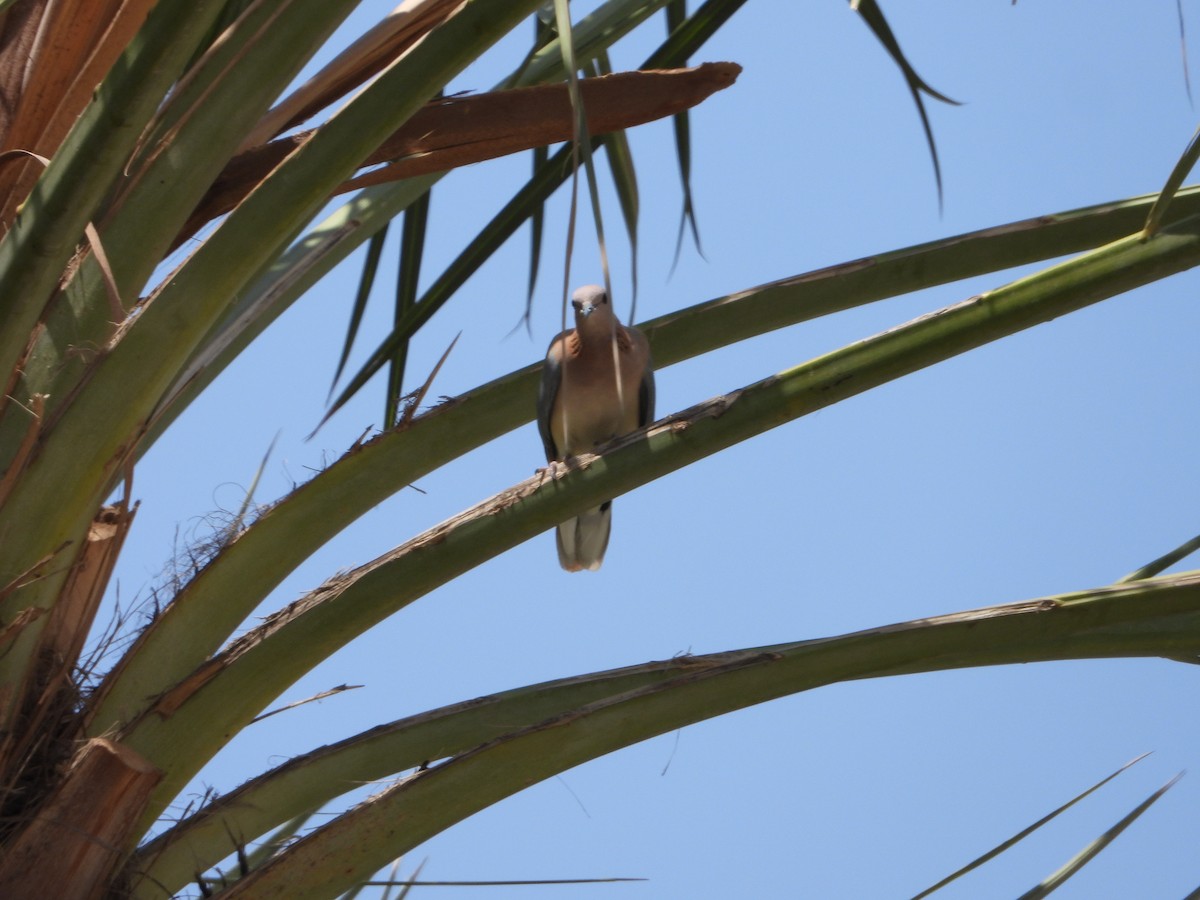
{"x": 583, "y": 540}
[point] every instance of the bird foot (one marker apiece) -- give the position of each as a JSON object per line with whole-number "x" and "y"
{"x": 553, "y": 470}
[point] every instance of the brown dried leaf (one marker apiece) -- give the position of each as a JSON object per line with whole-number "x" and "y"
{"x": 72, "y": 616}
{"x": 74, "y": 45}
{"x": 77, "y": 838}
{"x": 457, "y": 131}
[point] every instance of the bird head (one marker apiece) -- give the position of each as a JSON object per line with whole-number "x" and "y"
{"x": 591, "y": 302}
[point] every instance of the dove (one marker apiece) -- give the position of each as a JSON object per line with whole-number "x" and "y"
{"x": 590, "y": 394}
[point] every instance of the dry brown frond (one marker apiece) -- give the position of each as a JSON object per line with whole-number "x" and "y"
{"x": 458, "y": 131}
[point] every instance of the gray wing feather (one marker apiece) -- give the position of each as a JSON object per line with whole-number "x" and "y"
{"x": 646, "y": 397}
{"x": 547, "y": 393}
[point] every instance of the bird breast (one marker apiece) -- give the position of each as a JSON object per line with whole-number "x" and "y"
{"x": 598, "y": 411}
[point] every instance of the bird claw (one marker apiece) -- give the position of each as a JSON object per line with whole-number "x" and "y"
{"x": 553, "y": 470}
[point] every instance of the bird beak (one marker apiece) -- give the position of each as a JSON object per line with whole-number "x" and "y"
{"x": 582, "y": 308}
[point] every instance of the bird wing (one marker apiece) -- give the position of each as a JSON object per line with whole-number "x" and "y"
{"x": 646, "y": 395}
{"x": 640, "y": 348}
{"x": 548, "y": 393}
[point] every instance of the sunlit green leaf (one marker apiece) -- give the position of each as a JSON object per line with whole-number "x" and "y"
{"x": 873, "y": 16}
{"x": 365, "y": 282}
{"x": 1025, "y": 832}
{"x": 1164, "y": 562}
{"x": 1182, "y": 167}
{"x": 412, "y": 248}
{"x": 620, "y": 162}
{"x": 1090, "y": 852}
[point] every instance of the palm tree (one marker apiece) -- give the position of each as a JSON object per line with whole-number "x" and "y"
{"x": 159, "y": 196}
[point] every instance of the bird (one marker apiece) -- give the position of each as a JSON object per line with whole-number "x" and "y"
{"x": 597, "y": 384}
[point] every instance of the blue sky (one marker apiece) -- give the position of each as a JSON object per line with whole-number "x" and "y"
{"x": 1058, "y": 459}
